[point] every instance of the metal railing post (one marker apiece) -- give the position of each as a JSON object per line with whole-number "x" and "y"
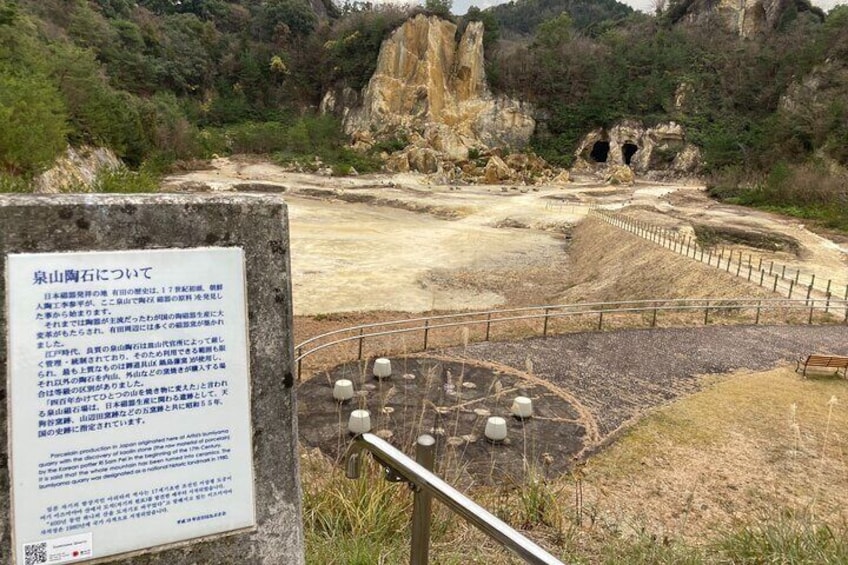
{"x": 426, "y": 333}
{"x": 488, "y": 324}
{"x": 425, "y": 455}
{"x": 759, "y": 304}
{"x": 827, "y": 294}
{"x": 361, "y": 339}
{"x": 601, "y": 320}
{"x": 545, "y": 327}
{"x": 299, "y": 363}
{"x": 707, "y": 313}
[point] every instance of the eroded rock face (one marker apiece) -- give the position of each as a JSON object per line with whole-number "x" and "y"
{"x": 433, "y": 90}
{"x": 747, "y": 18}
{"x": 76, "y": 170}
{"x": 660, "y": 151}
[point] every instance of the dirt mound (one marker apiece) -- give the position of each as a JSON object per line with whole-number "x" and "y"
{"x": 611, "y": 264}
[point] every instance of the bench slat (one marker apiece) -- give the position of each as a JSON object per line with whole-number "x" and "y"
{"x": 831, "y": 361}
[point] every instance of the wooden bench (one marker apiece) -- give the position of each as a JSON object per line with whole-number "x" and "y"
{"x": 827, "y": 361}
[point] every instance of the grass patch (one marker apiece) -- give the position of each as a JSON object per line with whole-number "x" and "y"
{"x": 784, "y": 541}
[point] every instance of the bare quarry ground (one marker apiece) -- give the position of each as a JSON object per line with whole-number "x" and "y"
{"x": 398, "y": 243}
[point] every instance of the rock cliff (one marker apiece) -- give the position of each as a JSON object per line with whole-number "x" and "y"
{"x": 76, "y": 170}
{"x": 432, "y": 90}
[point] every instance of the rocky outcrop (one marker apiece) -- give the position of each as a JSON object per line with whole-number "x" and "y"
{"x": 657, "y": 152}
{"x": 76, "y": 170}
{"x": 432, "y": 90}
{"x": 747, "y": 18}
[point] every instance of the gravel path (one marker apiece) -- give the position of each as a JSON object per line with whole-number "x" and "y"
{"x": 619, "y": 375}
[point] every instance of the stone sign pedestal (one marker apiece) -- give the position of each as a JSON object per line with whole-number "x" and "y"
{"x": 147, "y": 406}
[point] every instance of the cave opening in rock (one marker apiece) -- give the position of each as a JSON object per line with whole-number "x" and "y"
{"x": 628, "y": 150}
{"x": 600, "y": 151}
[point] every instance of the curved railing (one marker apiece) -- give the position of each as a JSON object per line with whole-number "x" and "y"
{"x": 725, "y": 310}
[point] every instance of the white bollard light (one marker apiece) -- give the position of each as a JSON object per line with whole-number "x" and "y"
{"x": 343, "y": 390}
{"x": 382, "y": 368}
{"x": 522, "y": 407}
{"x": 495, "y": 429}
{"x": 359, "y": 422}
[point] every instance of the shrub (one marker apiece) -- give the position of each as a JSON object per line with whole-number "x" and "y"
{"x": 125, "y": 181}
{"x": 11, "y": 183}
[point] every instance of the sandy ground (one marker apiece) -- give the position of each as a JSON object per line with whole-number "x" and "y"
{"x": 396, "y": 242}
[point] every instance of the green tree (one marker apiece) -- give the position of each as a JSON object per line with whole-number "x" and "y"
{"x": 441, "y": 8}
{"x": 555, "y": 32}
{"x": 34, "y": 123}
{"x": 278, "y": 19}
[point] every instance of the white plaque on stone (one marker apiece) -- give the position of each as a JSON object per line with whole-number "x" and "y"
{"x": 129, "y": 401}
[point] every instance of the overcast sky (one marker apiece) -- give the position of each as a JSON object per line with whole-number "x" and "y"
{"x": 461, "y": 6}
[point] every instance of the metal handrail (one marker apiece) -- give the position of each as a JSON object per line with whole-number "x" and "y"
{"x": 401, "y": 468}
{"x": 547, "y": 312}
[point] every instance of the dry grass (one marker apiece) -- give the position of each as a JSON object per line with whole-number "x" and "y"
{"x": 747, "y": 447}
{"x": 611, "y": 264}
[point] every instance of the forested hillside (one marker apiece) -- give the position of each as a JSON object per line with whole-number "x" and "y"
{"x": 522, "y": 17}
{"x": 165, "y": 81}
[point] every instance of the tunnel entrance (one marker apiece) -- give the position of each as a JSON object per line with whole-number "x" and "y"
{"x": 628, "y": 150}
{"x": 600, "y": 151}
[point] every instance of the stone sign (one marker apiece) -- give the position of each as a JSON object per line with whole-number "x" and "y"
{"x": 128, "y": 400}
{"x": 150, "y": 406}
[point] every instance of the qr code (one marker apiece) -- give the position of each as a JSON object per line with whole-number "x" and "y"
{"x": 35, "y": 553}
